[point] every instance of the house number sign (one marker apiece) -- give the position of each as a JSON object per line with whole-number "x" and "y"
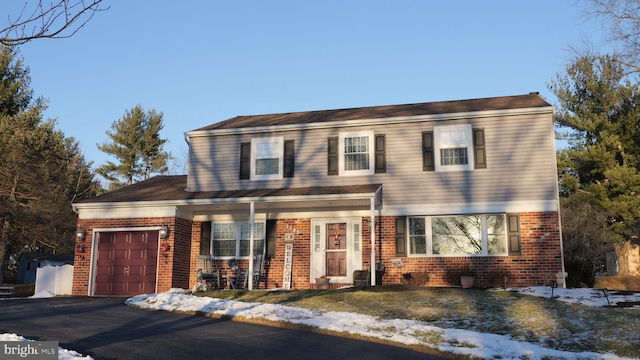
{"x": 288, "y": 260}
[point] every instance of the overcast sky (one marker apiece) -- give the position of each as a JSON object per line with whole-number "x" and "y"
{"x": 200, "y": 62}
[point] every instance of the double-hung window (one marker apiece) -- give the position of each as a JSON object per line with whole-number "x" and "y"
{"x": 233, "y": 239}
{"x": 458, "y": 235}
{"x": 267, "y": 158}
{"x": 356, "y": 153}
{"x": 454, "y": 147}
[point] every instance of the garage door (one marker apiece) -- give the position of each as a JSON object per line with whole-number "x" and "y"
{"x": 126, "y": 263}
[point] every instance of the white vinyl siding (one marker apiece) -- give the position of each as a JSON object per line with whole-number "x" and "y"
{"x": 520, "y": 154}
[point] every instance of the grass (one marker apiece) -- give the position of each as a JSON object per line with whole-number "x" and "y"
{"x": 547, "y": 322}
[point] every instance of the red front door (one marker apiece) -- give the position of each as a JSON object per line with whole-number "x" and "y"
{"x": 336, "y": 249}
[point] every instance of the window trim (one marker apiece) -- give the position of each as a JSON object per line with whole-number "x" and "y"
{"x": 437, "y": 146}
{"x": 484, "y": 234}
{"x": 279, "y": 143}
{"x": 371, "y": 152}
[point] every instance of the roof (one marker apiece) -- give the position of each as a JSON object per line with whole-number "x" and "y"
{"x": 172, "y": 188}
{"x": 532, "y": 100}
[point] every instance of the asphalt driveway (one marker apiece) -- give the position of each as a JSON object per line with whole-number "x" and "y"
{"x": 106, "y": 328}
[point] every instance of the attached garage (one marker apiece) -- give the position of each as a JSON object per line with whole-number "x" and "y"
{"x": 126, "y": 263}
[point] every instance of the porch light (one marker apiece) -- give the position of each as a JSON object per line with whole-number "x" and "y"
{"x": 80, "y": 235}
{"x": 163, "y": 232}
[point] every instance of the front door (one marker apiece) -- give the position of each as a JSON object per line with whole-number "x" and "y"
{"x": 336, "y": 249}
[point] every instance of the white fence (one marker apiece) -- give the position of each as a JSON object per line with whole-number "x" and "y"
{"x": 57, "y": 280}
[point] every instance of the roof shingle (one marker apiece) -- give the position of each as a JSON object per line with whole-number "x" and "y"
{"x": 531, "y": 100}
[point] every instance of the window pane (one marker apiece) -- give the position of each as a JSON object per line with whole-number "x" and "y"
{"x": 356, "y": 162}
{"x": 496, "y": 234}
{"x": 267, "y": 166}
{"x": 417, "y": 236}
{"x": 258, "y": 238}
{"x": 356, "y": 153}
{"x": 456, "y": 156}
{"x": 224, "y": 240}
{"x": 453, "y": 138}
{"x": 457, "y": 235}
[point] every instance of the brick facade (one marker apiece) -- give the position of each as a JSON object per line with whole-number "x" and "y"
{"x": 540, "y": 238}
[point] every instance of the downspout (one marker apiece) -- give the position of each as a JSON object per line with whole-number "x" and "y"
{"x": 557, "y": 189}
{"x": 372, "y": 224}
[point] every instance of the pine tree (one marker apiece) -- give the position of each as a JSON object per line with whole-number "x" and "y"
{"x": 41, "y": 171}
{"x": 601, "y": 107}
{"x": 136, "y": 143}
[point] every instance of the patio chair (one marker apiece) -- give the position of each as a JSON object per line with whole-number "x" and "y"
{"x": 257, "y": 272}
{"x": 207, "y": 273}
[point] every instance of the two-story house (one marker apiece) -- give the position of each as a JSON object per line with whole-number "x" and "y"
{"x": 405, "y": 189}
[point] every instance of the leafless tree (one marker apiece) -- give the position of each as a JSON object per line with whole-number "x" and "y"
{"x": 49, "y": 20}
{"x": 620, "y": 20}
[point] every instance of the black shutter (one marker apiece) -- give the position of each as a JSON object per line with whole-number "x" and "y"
{"x": 427, "y": 151}
{"x": 381, "y": 157}
{"x": 479, "y": 149}
{"x": 245, "y": 160}
{"x": 271, "y": 238}
{"x": 205, "y": 238}
{"x": 401, "y": 236}
{"x": 513, "y": 233}
{"x": 332, "y": 156}
{"x": 289, "y": 150}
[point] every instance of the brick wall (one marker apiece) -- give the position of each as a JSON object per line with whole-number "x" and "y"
{"x": 540, "y": 235}
{"x": 541, "y": 257}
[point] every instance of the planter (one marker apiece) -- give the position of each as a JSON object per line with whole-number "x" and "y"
{"x": 322, "y": 283}
{"x": 466, "y": 282}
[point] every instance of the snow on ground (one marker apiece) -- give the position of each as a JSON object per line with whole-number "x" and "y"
{"x": 63, "y": 354}
{"x": 411, "y": 332}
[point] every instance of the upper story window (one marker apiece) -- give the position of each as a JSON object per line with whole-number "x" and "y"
{"x": 266, "y": 158}
{"x": 269, "y": 158}
{"x": 453, "y": 147}
{"x": 356, "y": 153}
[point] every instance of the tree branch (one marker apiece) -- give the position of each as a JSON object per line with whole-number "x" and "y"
{"x": 59, "y": 20}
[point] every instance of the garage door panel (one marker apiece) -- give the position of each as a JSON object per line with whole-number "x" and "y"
{"x": 127, "y": 263}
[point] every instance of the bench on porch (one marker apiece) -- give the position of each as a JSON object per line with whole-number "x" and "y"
{"x": 6, "y": 291}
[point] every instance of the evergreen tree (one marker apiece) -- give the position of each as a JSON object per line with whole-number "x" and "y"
{"x": 41, "y": 171}
{"x": 136, "y": 143}
{"x": 601, "y": 108}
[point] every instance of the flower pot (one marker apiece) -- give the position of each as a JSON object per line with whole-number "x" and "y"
{"x": 466, "y": 282}
{"x": 322, "y": 283}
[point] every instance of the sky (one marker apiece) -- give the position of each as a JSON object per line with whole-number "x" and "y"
{"x": 457, "y": 341}
{"x": 200, "y": 62}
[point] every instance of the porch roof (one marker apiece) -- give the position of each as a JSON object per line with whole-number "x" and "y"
{"x": 170, "y": 190}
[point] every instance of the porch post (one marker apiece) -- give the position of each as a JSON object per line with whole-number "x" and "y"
{"x": 250, "y": 270}
{"x": 373, "y": 241}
